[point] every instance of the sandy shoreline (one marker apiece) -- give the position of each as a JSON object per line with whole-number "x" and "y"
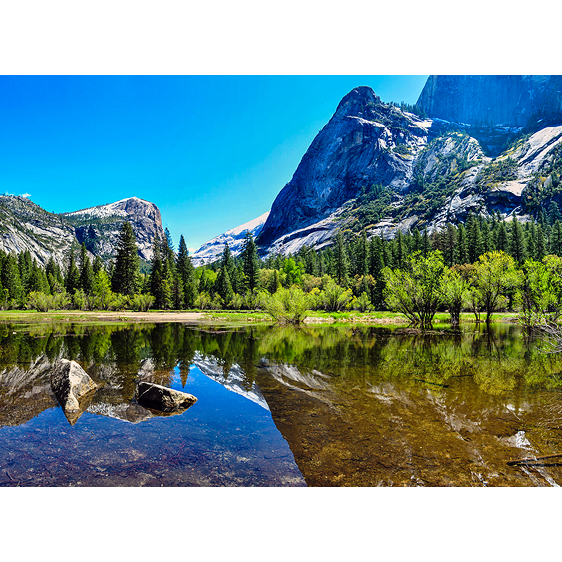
{"x": 101, "y": 316}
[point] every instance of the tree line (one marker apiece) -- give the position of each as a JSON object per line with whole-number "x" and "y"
{"x": 355, "y": 273}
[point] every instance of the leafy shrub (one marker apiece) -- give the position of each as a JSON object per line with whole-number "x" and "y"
{"x": 335, "y": 298}
{"x": 363, "y": 303}
{"x": 288, "y": 306}
{"x": 141, "y": 302}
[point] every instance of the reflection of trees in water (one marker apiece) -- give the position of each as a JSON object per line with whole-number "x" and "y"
{"x": 498, "y": 360}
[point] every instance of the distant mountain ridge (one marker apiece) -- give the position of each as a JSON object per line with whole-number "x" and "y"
{"x": 26, "y": 226}
{"x": 211, "y": 250}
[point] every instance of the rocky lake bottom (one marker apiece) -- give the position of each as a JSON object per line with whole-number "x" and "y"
{"x": 310, "y": 406}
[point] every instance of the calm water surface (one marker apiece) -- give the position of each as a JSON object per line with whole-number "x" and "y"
{"x": 317, "y": 406}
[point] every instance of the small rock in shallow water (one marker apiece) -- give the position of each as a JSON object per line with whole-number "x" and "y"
{"x": 157, "y": 397}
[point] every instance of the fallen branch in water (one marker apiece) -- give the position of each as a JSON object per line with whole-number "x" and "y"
{"x": 533, "y": 459}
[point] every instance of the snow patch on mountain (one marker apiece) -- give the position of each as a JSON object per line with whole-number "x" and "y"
{"x": 234, "y": 237}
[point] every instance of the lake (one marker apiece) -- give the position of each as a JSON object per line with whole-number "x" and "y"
{"x": 312, "y": 406}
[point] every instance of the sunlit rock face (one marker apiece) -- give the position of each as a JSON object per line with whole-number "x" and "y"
{"x": 358, "y": 147}
{"x": 99, "y": 227}
{"x": 491, "y": 100}
{"x": 26, "y": 226}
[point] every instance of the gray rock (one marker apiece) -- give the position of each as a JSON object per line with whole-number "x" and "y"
{"x": 26, "y": 226}
{"x": 73, "y": 388}
{"x": 157, "y": 397}
{"x": 365, "y": 142}
{"x": 491, "y": 100}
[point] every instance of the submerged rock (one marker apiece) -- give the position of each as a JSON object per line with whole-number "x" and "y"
{"x": 73, "y": 387}
{"x": 157, "y": 397}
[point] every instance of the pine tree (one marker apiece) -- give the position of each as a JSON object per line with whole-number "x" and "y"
{"x": 362, "y": 256}
{"x": 186, "y": 272}
{"x": 25, "y": 267}
{"x": 461, "y": 256}
{"x": 517, "y": 241}
{"x": 426, "y": 245}
{"x": 72, "y": 277}
{"x": 86, "y": 272}
{"x": 98, "y": 265}
{"x": 474, "y": 239}
{"x": 377, "y": 264}
{"x": 556, "y": 239}
{"x": 38, "y": 280}
{"x": 417, "y": 241}
{"x": 502, "y": 242}
{"x": 449, "y": 243}
{"x": 341, "y": 261}
{"x": 540, "y": 250}
{"x": 553, "y": 213}
{"x": 157, "y": 275}
{"x": 250, "y": 262}
{"x": 223, "y": 285}
{"x": 399, "y": 254}
{"x": 11, "y": 280}
{"x": 487, "y": 238}
{"x": 126, "y": 274}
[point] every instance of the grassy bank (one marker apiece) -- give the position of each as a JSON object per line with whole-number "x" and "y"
{"x": 227, "y": 317}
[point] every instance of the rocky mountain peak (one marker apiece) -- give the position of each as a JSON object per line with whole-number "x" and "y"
{"x": 366, "y": 142}
{"x": 359, "y": 102}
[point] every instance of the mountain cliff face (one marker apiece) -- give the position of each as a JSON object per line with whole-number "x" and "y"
{"x": 492, "y": 100}
{"x": 26, "y": 226}
{"x": 380, "y": 168}
{"x": 98, "y": 227}
{"x": 365, "y": 142}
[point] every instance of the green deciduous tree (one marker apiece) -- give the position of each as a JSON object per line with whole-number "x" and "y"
{"x": 454, "y": 290}
{"x": 495, "y": 274}
{"x": 416, "y": 290}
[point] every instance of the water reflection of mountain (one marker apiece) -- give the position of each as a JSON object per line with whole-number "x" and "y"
{"x": 234, "y": 379}
{"x": 358, "y": 406}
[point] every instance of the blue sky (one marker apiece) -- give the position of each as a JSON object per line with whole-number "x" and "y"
{"x": 211, "y": 151}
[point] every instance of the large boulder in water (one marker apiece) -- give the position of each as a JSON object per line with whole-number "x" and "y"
{"x": 162, "y": 398}
{"x": 72, "y": 387}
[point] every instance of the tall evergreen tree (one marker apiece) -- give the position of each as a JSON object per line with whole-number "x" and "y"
{"x": 530, "y": 232}
{"x": 126, "y": 274}
{"x": 461, "y": 256}
{"x": 426, "y": 245}
{"x": 25, "y": 265}
{"x": 502, "y": 242}
{"x": 223, "y": 285}
{"x": 38, "y": 280}
{"x": 186, "y": 272}
{"x": 72, "y": 277}
{"x": 86, "y": 272}
{"x": 250, "y": 262}
{"x": 474, "y": 239}
{"x": 98, "y": 265}
{"x": 341, "y": 261}
{"x": 449, "y": 243}
{"x": 556, "y": 239}
{"x": 540, "y": 250}
{"x": 399, "y": 254}
{"x": 362, "y": 255}
{"x": 517, "y": 241}
{"x": 11, "y": 280}
{"x": 487, "y": 238}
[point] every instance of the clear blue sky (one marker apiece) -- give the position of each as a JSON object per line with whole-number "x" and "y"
{"x": 211, "y": 151}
